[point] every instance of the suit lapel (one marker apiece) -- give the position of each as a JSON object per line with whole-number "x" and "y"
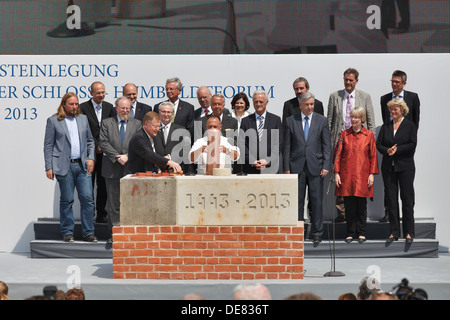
{"x": 299, "y": 125}
{"x": 65, "y": 129}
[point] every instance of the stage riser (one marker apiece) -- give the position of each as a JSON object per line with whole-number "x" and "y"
{"x": 48, "y": 229}
{"x": 369, "y": 249}
{"x": 49, "y": 244}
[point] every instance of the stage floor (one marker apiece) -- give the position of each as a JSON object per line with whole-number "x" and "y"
{"x": 27, "y": 277}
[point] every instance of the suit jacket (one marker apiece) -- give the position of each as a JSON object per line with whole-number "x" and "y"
{"x": 57, "y": 147}
{"x": 412, "y": 101}
{"x": 292, "y": 107}
{"x": 165, "y": 148}
{"x": 87, "y": 108}
{"x": 198, "y": 113}
{"x": 252, "y": 148}
{"x": 112, "y": 146}
{"x": 141, "y": 157}
{"x": 228, "y": 123}
{"x": 406, "y": 140}
{"x": 139, "y": 113}
{"x": 184, "y": 115}
{"x": 335, "y": 113}
{"x": 315, "y": 152}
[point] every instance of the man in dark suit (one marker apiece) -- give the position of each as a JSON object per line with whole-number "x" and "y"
{"x": 115, "y": 136}
{"x": 204, "y": 100}
{"x": 138, "y": 109}
{"x": 260, "y": 138}
{"x": 96, "y": 110}
{"x": 307, "y": 152}
{"x": 184, "y": 111}
{"x": 142, "y": 156}
{"x": 229, "y": 124}
{"x": 398, "y": 82}
{"x": 172, "y": 140}
{"x": 69, "y": 156}
{"x": 292, "y": 106}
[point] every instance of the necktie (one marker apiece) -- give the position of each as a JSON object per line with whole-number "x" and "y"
{"x": 260, "y": 127}
{"x": 132, "y": 112}
{"x": 306, "y": 128}
{"x": 348, "y": 122}
{"x": 98, "y": 112}
{"x": 206, "y": 112}
{"x": 122, "y": 131}
{"x": 153, "y": 146}
{"x": 165, "y": 132}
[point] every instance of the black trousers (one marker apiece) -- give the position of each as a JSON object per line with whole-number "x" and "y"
{"x": 355, "y": 216}
{"x": 100, "y": 201}
{"x": 403, "y": 180}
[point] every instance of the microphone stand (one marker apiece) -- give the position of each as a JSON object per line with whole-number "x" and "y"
{"x": 333, "y": 272}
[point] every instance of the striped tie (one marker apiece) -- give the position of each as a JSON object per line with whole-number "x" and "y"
{"x": 260, "y": 127}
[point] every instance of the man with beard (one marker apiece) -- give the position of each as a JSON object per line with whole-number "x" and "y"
{"x": 69, "y": 156}
{"x": 115, "y": 135}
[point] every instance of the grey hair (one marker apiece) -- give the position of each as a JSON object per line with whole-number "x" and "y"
{"x": 178, "y": 82}
{"x": 306, "y": 96}
{"x": 261, "y": 92}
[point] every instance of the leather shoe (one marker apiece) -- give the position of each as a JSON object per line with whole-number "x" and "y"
{"x": 340, "y": 218}
{"x": 69, "y": 238}
{"x": 384, "y": 219}
{"x": 409, "y": 240}
{"x": 391, "y": 239}
{"x": 348, "y": 239}
{"x": 317, "y": 239}
{"x": 361, "y": 240}
{"x": 90, "y": 238}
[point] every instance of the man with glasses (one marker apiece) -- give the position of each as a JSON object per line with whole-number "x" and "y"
{"x": 142, "y": 156}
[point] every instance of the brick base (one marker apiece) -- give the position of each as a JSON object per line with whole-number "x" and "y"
{"x": 208, "y": 252}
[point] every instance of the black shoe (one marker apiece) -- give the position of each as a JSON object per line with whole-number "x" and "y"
{"x": 384, "y": 219}
{"x": 90, "y": 238}
{"x": 409, "y": 240}
{"x": 361, "y": 239}
{"x": 391, "y": 239}
{"x": 317, "y": 239}
{"x": 69, "y": 238}
{"x": 340, "y": 218}
{"x": 109, "y": 241}
{"x": 348, "y": 239}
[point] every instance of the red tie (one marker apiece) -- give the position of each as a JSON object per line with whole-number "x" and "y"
{"x": 206, "y": 112}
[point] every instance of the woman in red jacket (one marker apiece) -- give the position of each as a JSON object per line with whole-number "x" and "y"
{"x": 355, "y": 166}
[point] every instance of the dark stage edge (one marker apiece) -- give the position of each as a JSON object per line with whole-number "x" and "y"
{"x": 26, "y": 277}
{"x": 48, "y": 243}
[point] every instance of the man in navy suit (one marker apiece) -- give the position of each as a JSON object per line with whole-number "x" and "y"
{"x": 138, "y": 109}
{"x": 398, "y": 82}
{"x": 96, "y": 110}
{"x": 184, "y": 111}
{"x": 261, "y": 138}
{"x": 69, "y": 156}
{"x": 307, "y": 152}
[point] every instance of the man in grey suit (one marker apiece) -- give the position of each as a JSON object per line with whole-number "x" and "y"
{"x": 69, "y": 154}
{"x": 307, "y": 152}
{"x": 339, "y": 105}
{"x": 115, "y": 135}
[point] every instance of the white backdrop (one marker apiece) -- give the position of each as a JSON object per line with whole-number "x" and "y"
{"x": 29, "y": 95}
